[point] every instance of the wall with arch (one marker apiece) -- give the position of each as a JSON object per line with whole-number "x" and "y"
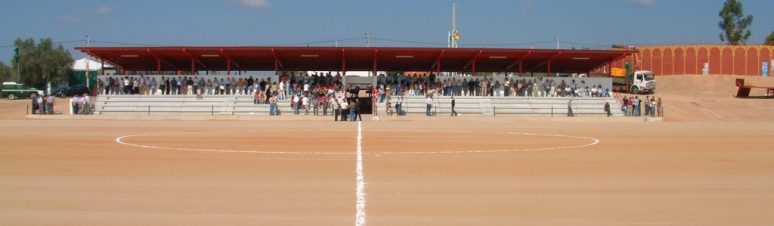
{"x": 690, "y": 59}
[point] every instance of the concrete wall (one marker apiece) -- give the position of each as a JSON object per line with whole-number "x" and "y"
{"x": 690, "y": 59}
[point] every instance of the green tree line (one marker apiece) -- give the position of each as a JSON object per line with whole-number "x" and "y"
{"x": 38, "y": 63}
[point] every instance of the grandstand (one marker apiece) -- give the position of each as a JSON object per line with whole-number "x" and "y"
{"x": 464, "y": 62}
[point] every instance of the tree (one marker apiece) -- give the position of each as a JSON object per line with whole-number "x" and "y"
{"x": 6, "y": 74}
{"x": 733, "y": 23}
{"x": 42, "y": 63}
{"x": 769, "y": 40}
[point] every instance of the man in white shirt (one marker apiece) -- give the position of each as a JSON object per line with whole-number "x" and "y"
{"x": 336, "y": 107}
{"x": 296, "y": 103}
{"x": 344, "y": 109}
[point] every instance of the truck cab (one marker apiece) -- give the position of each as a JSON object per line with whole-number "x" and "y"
{"x": 643, "y": 82}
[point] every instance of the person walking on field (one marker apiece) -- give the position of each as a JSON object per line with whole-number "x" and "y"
{"x": 569, "y": 109}
{"x": 453, "y": 103}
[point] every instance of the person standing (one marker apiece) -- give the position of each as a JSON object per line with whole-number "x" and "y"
{"x": 453, "y": 103}
{"x": 353, "y": 110}
{"x": 76, "y": 99}
{"x": 647, "y": 105}
{"x": 607, "y": 109}
{"x": 305, "y": 102}
{"x": 296, "y": 104}
{"x": 273, "y": 105}
{"x": 257, "y": 97}
{"x": 636, "y": 104}
{"x": 429, "y": 103}
{"x": 659, "y": 109}
{"x": 399, "y": 106}
{"x": 569, "y": 109}
{"x": 41, "y": 101}
{"x": 388, "y": 106}
{"x": 336, "y": 107}
{"x": 344, "y": 109}
{"x": 50, "y": 104}
{"x": 35, "y": 106}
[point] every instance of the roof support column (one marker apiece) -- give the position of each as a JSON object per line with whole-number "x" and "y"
{"x": 376, "y": 61}
{"x": 438, "y": 66}
{"x": 549, "y": 68}
{"x": 343, "y": 62}
{"x": 228, "y": 65}
{"x": 474, "y": 68}
{"x": 521, "y": 68}
{"x": 276, "y": 66}
{"x": 102, "y": 68}
{"x": 158, "y": 66}
{"x": 193, "y": 66}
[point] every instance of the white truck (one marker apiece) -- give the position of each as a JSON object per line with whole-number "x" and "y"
{"x": 635, "y": 83}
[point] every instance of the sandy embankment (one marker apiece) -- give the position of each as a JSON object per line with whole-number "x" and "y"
{"x": 694, "y": 98}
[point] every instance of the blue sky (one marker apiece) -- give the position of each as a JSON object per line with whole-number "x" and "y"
{"x": 482, "y": 23}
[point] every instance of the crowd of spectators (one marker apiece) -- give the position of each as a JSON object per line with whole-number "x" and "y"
{"x": 397, "y": 84}
{"x": 470, "y": 86}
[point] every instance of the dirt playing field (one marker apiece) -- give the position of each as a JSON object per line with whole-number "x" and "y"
{"x": 714, "y": 170}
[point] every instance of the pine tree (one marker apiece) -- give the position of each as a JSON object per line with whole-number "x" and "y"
{"x": 733, "y": 23}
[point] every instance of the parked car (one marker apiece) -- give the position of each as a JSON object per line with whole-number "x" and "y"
{"x": 69, "y": 91}
{"x": 14, "y": 90}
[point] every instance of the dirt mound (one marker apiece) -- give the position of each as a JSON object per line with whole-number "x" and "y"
{"x": 693, "y": 98}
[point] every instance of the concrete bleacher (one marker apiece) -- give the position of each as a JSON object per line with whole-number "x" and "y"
{"x": 492, "y": 106}
{"x": 243, "y": 104}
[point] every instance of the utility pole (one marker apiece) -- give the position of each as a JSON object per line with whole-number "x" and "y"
{"x": 18, "y": 65}
{"x": 557, "y": 42}
{"x": 454, "y": 26}
{"x": 87, "y": 62}
{"x": 367, "y": 40}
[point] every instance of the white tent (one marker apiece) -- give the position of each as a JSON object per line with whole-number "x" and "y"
{"x": 80, "y": 65}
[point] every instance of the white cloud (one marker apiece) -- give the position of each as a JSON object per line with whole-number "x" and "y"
{"x": 643, "y": 3}
{"x": 69, "y": 19}
{"x": 258, "y": 4}
{"x": 529, "y": 4}
{"x": 104, "y": 10}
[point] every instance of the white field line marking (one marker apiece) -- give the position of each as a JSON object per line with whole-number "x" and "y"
{"x": 593, "y": 141}
{"x": 120, "y": 140}
{"x": 360, "y": 217}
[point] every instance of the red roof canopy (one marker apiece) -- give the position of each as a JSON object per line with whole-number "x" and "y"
{"x": 265, "y": 58}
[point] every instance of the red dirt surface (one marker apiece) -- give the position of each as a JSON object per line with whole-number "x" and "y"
{"x": 714, "y": 167}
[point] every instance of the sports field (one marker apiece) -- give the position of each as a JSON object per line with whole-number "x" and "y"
{"x": 466, "y": 171}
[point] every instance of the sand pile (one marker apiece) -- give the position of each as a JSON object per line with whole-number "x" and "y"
{"x": 692, "y": 98}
